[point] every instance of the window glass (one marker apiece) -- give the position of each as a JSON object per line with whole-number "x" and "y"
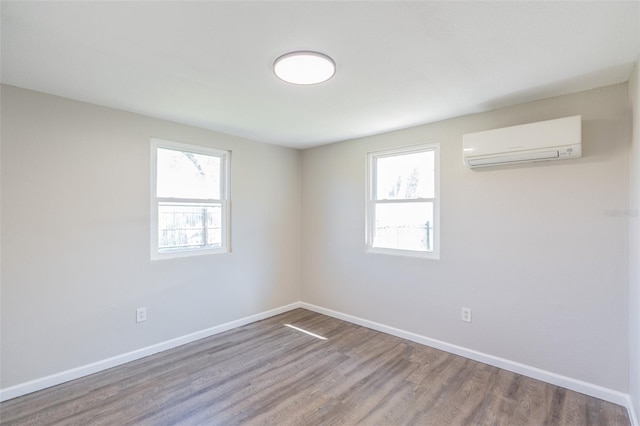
{"x": 405, "y": 176}
{"x": 187, "y": 175}
{"x": 189, "y": 226}
{"x": 406, "y": 226}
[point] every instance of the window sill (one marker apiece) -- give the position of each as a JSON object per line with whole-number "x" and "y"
{"x": 431, "y": 255}
{"x": 189, "y": 253}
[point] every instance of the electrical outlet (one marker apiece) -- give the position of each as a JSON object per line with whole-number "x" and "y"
{"x": 141, "y": 314}
{"x": 466, "y": 314}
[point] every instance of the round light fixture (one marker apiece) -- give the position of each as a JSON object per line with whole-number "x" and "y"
{"x": 304, "y": 67}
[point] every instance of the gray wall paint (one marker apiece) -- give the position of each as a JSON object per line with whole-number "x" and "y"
{"x": 634, "y": 242}
{"x": 530, "y": 249}
{"x": 75, "y": 236}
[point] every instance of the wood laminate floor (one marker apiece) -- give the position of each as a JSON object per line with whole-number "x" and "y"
{"x": 268, "y": 374}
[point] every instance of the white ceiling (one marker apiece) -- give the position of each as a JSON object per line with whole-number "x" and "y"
{"x": 399, "y": 64}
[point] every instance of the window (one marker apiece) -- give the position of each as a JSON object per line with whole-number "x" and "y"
{"x": 402, "y": 201}
{"x": 189, "y": 200}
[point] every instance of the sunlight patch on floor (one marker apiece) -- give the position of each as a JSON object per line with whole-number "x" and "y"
{"x": 305, "y": 331}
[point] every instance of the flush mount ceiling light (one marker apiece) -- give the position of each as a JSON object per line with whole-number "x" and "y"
{"x": 304, "y": 67}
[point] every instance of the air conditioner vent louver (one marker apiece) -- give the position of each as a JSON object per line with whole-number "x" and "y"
{"x": 550, "y": 140}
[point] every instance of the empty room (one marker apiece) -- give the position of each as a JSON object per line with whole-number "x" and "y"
{"x": 320, "y": 213}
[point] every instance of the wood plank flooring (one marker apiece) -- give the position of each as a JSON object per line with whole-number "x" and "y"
{"x": 267, "y": 374}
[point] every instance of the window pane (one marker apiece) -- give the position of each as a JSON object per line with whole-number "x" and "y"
{"x": 188, "y": 175}
{"x": 406, "y": 176}
{"x": 189, "y": 226}
{"x": 404, "y": 226}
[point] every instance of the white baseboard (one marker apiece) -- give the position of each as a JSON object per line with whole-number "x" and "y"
{"x": 546, "y": 376}
{"x": 596, "y": 391}
{"x": 85, "y": 370}
{"x": 633, "y": 416}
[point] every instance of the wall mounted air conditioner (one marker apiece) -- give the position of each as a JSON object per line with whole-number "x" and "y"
{"x": 558, "y": 139}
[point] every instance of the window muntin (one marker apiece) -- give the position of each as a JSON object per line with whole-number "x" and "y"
{"x": 402, "y": 202}
{"x": 190, "y": 207}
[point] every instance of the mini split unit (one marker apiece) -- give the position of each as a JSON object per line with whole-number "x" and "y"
{"x": 558, "y": 139}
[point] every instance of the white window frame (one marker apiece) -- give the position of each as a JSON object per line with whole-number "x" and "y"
{"x": 224, "y": 200}
{"x": 371, "y": 201}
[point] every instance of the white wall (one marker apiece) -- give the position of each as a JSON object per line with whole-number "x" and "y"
{"x": 75, "y": 237}
{"x": 530, "y": 249}
{"x": 634, "y": 242}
